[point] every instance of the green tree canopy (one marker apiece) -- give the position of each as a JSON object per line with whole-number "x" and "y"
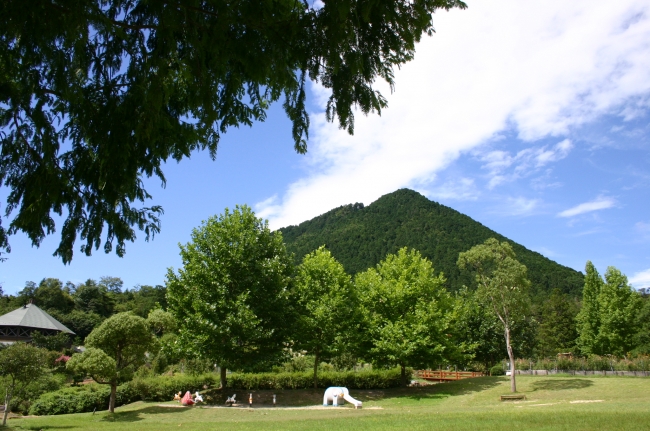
{"x": 20, "y": 364}
{"x": 480, "y": 333}
{"x": 502, "y": 284}
{"x": 232, "y": 296}
{"x": 91, "y": 297}
{"x": 557, "y": 328}
{"x": 328, "y": 307}
{"x": 114, "y": 351}
{"x": 588, "y": 318}
{"x": 408, "y": 310}
{"x": 608, "y": 321}
{"x": 102, "y": 93}
{"x": 619, "y": 306}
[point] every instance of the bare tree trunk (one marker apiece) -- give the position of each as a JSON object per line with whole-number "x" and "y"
{"x": 7, "y": 401}
{"x": 316, "y": 354}
{"x": 513, "y": 384}
{"x": 111, "y": 401}
{"x": 224, "y": 378}
{"x": 403, "y": 374}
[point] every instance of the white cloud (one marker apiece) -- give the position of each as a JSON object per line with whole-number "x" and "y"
{"x": 600, "y": 203}
{"x": 641, "y": 279}
{"x": 537, "y": 68}
{"x": 523, "y": 164}
{"x": 643, "y": 227}
{"x": 460, "y": 189}
{"x": 518, "y": 206}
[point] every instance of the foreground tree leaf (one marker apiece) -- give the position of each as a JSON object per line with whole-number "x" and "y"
{"x": 102, "y": 93}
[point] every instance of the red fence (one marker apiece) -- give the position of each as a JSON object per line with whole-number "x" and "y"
{"x": 445, "y": 376}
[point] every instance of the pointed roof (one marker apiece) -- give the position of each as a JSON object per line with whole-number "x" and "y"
{"x": 31, "y": 316}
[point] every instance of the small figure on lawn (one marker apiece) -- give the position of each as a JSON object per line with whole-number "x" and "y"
{"x": 231, "y": 400}
{"x": 177, "y": 397}
{"x": 187, "y": 399}
{"x": 198, "y": 398}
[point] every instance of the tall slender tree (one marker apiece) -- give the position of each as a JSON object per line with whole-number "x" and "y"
{"x": 502, "y": 283}
{"x": 588, "y": 319}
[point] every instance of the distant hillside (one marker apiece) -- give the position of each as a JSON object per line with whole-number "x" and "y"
{"x": 359, "y": 237}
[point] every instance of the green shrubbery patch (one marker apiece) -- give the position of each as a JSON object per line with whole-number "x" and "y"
{"x": 93, "y": 396}
{"x": 365, "y": 379}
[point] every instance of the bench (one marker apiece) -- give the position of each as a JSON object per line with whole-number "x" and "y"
{"x": 513, "y": 397}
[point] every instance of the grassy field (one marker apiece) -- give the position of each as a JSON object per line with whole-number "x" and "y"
{"x": 553, "y": 403}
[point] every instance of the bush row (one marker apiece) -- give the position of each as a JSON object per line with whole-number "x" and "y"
{"x": 591, "y": 363}
{"x": 365, "y": 379}
{"x": 93, "y": 396}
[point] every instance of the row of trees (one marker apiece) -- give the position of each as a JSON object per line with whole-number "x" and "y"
{"x": 240, "y": 303}
{"x": 82, "y": 307}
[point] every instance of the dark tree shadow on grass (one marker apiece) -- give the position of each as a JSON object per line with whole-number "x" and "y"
{"x": 137, "y": 415}
{"x": 560, "y": 384}
{"x": 41, "y": 427}
{"x": 437, "y": 391}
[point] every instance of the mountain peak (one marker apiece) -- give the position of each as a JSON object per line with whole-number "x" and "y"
{"x": 360, "y": 237}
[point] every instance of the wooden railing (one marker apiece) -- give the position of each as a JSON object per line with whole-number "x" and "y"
{"x": 445, "y": 376}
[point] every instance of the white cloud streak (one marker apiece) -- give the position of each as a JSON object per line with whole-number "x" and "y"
{"x": 641, "y": 279}
{"x": 523, "y": 164}
{"x": 536, "y": 68}
{"x": 600, "y": 203}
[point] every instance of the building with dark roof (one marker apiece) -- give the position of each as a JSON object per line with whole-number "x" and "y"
{"x": 19, "y": 324}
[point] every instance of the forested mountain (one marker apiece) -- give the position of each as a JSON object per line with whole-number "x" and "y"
{"x": 359, "y": 237}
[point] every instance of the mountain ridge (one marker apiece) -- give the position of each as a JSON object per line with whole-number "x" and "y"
{"x": 361, "y": 236}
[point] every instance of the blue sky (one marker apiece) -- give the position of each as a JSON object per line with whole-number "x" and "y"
{"x": 532, "y": 118}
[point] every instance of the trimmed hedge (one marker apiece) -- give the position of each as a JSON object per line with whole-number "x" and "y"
{"x": 366, "y": 379}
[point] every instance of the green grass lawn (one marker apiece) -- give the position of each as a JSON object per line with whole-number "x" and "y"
{"x": 553, "y": 403}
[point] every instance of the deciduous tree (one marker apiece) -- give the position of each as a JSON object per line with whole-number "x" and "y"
{"x": 114, "y": 351}
{"x": 20, "y": 364}
{"x": 231, "y": 297}
{"x": 502, "y": 283}
{"x": 408, "y": 310}
{"x": 102, "y": 93}
{"x": 557, "y": 332}
{"x": 619, "y": 306}
{"x": 328, "y": 307}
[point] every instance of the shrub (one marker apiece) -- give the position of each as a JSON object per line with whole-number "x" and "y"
{"x": 72, "y": 400}
{"x": 163, "y": 388}
{"x": 48, "y": 382}
{"x": 497, "y": 370}
{"x": 86, "y": 398}
{"x": 366, "y": 379}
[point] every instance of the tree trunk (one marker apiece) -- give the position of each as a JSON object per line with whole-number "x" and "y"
{"x": 224, "y": 378}
{"x": 316, "y": 369}
{"x": 403, "y": 374}
{"x": 513, "y": 384}
{"x": 7, "y": 401}
{"x": 111, "y": 401}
